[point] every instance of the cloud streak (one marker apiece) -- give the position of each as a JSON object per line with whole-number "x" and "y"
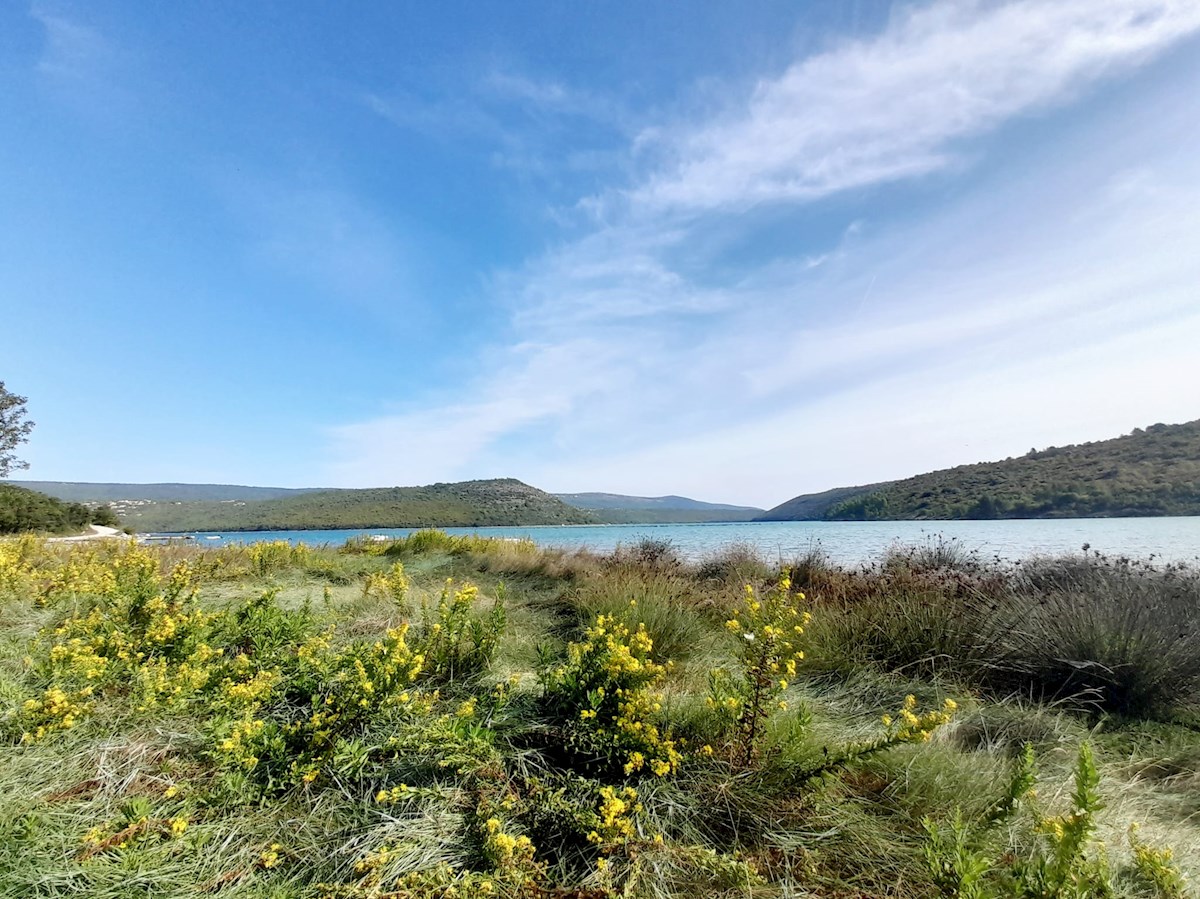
{"x": 644, "y": 360}
{"x": 897, "y": 106}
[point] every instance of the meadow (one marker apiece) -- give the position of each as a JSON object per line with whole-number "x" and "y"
{"x": 443, "y": 716}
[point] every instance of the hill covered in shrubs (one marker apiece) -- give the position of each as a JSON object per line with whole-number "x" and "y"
{"x": 498, "y": 502}
{"x": 1155, "y": 471}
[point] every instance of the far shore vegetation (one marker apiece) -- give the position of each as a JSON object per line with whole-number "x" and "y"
{"x": 441, "y": 716}
{"x": 1148, "y": 472}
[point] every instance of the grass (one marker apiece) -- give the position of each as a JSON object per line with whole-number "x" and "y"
{"x": 1052, "y": 654}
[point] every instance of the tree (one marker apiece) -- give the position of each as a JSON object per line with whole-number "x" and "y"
{"x": 14, "y": 430}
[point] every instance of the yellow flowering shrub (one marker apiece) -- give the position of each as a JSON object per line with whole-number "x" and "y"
{"x": 295, "y": 719}
{"x": 456, "y": 642}
{"x": 1061, "y": 866}
{"x": 615, "y": 816}
{"x": 605, "y": 693}
{"x": 507, "y": 854}
{"x": 1156, "y": 867}
{"x": 909, "y": 727}
{"x": 143, "y": 636}
{"x": 23, "y": 561}
{"x": 55, "y": 710}
{"x": 768, "y": 629}
{"x": 83, "y": 573}
{"x": 267, "y": 557}
{"x": 392, "y": 583}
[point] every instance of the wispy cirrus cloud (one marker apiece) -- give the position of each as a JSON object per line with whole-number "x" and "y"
{"x": 896, "y": 106}
{"x": 73, "y": 52}
{"x": 658, "y": 368}
{"x": 88, "y": 69}
{"x": 532, "y": 126}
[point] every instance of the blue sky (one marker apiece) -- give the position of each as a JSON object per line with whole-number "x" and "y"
{"x": 733, "y": 251}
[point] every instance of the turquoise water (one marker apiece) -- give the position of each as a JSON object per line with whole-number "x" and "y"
{"x": 1166, "y": 539}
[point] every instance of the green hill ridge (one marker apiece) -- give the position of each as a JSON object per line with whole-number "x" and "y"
{"x": 496, "y": 502}
{"x": 178, "y": 506}
{"x": 1149, "y": 472}
{"x": 616, "y": 508}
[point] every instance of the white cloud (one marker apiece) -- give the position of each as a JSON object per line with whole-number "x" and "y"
{"x": 1025, "y": 312}
{"x": 893, "y": 107}
{"x": 73, "y": 51}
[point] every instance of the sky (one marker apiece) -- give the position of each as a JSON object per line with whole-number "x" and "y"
{"x": 737, "y": 252}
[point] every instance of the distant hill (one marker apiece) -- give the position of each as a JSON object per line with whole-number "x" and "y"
{"x": 615, "y": 508}
{"x": 467, "y": 504}
{"x": 814, "y": 506}
{"x": 1155, "y": 471}
{"x": 81, "y": 492}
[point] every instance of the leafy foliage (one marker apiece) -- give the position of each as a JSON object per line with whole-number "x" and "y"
{"x": 24, "y": 510}
{"x": 14, "y": 430}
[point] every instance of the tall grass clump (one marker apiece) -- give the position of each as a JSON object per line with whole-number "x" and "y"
{"x": 1111, "y": 634}
{"x": 737, "y": 563}
{"x": 919, "y": 611}
{"x": 665, "y": 601}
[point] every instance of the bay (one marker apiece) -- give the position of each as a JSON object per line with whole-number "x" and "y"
{"x": 848, "y": 542}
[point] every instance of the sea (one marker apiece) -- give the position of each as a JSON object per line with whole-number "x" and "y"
{"x": 1161, "y": 540}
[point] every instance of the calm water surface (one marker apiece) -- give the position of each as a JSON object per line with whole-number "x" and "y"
{"x": 849, "y": 542}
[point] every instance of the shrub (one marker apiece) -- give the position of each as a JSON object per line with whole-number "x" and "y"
{"x": 737, "y": 563}
{"x": 604, "y": 694}
{"x": 455, "y": 643}
{"x": 392, "y": 583}
{"x": 1116, "y": 636}
{"x": 663, "y": 601}
{"x": 768, "y": 629}
{"x": 649, "y": 552}
{"x": 269, "y": 557}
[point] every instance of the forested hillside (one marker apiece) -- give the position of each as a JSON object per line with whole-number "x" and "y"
{"x": 469, "y": 503}
{"x": 1155, "y": 471}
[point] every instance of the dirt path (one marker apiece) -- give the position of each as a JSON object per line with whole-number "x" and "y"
{"x": 97, "y": 532}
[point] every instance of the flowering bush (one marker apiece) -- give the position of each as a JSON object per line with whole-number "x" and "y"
{"x": 455, "y": 642}
{"x": 605, "y": 694}
{"x": 326, "y": 697}
{"x": 392, "y": 583}
{"x": 144, "y": 636}
{"x": 768, "y": 629}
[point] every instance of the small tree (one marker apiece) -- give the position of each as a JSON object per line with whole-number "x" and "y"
{"x": 14, "y": 430}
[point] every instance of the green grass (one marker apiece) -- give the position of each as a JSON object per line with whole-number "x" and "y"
{"x": 912, "y": 624}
